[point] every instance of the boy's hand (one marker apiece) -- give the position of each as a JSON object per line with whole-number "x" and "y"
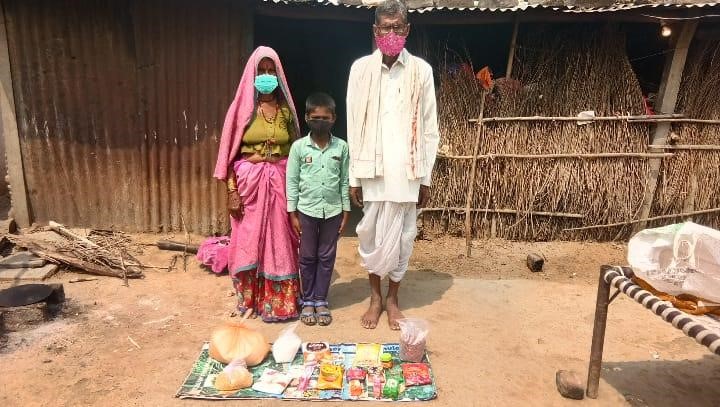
{"x": 295, "y": 222}
{"x": 356, "y": 196}
{"x": 345, "y": 217}
{"x": 235, "y": 205}
{"x": 423, "y": 196}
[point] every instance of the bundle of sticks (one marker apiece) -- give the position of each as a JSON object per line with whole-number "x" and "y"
{"x": 104, "y": 253}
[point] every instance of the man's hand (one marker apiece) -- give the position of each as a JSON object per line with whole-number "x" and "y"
{"x": 235, "y": 205}
{"x": 345, "y": 217}
{"x": 423, "y": 196}
{"x": 295, "y": 222}
{"x": 356, "y": 196}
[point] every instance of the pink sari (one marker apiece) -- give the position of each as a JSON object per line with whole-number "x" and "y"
{"x": 263, "y": 249}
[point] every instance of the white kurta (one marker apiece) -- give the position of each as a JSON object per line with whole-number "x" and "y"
{"x": 394, "y": 185}
{"x": 388, "y": 228}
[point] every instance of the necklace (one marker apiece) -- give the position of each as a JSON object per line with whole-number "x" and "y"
{"x": 270, "y": 129}
{"x": 270, "y": 120}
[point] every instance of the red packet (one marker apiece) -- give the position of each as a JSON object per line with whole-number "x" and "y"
{"x": 416, "y": 374}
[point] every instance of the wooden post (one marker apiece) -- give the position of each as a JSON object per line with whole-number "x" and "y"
{"x": 666, "y": 100}
{"x": 513, "y": 44}
{"x": 473, "y": 167}
{"x": 689, "y": 204}
{"x": 15, "y": 171}
{"x": 598, "y": 337}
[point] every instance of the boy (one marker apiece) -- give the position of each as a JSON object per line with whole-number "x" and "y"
{"x": 318, "y": 203}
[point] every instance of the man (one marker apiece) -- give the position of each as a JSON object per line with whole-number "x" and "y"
{"x": 393, "y": 138}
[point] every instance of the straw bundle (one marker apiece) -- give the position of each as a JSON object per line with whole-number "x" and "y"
{"x": 689, "y": 181}
{"x": 561, "y": 72}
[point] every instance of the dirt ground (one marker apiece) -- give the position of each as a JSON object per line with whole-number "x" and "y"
{"x": 499, "y": 332}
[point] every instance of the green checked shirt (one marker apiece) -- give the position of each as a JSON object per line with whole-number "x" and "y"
{"x": 317, "y": 179}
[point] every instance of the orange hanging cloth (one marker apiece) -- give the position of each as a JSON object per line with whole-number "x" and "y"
{"x": 484, "y": 76}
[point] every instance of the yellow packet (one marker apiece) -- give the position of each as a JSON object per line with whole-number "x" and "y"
{"x": 330, "y": 377}
{"x": 367, "y": 355}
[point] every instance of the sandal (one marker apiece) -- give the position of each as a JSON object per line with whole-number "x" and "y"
{"x": 308, "y": 318}
{"x": 324, "y": 318}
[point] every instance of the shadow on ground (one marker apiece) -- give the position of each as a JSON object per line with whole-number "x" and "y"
{"x": 415, "y": 289}
{"x": 665, "y": 383}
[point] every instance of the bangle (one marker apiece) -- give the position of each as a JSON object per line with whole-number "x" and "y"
{"x": 230, "y": 191}
{"x": 231, "y": 184}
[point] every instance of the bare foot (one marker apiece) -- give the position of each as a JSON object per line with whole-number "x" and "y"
{"x": 248, "y": 313}
{"x": 393, "y": 313}
{"x": 372, "y": 315}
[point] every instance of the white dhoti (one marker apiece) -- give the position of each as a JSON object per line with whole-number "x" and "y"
{"x": 387, "y": 233}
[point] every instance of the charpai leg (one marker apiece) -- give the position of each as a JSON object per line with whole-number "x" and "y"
{"x": 598, "y": 337}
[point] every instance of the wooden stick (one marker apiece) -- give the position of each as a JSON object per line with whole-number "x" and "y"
{"x": 559, "y": 155}
{"x": 134, "y": 343}
{"x": 697, "y": 121}
{"x": 507, "y": 211}
{"x": 80, "y": 280}
{"x": 80, "y": 264}
{"x": 124, "y": 271}
{"x": 60, "y": 229}
{"x": 471, "y": 189}
{"x": 602, "y": 302}
{"x": 630, "y": 222}
{"x": 639, "y": 119}
{"x": 513, "y": 44}
{"x": 686, "y": 147}
{"x": 187, "y": 243}
{"x": 177, "y": 246}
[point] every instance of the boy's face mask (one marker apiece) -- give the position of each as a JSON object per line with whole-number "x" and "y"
{"x": 320, "y": 126}
{"x": 266, "y": 83}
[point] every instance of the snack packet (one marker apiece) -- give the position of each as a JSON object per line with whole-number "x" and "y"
{"x": 330, "y": 377}
{"x": 416, "y": 374}
{"x": 355, "y": 377}
{"x": 355, "y": 373}
{"x": 394, "y": 387}
{"x": 316, "y": 352}
{"x": 304, "y": 381}
{"x": 271, "y": 381}
{"x": 377, "y": 378}
{"x": 356, "y": 388}
{"x": 367, "y": 355}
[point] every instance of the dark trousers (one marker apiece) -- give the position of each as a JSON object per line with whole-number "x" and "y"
{"x": 318, "y": 247}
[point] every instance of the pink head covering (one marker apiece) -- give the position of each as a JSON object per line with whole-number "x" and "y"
{"x": 243, "y": 107}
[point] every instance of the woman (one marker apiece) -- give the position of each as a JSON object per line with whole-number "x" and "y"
{"x": 260, "y": 126}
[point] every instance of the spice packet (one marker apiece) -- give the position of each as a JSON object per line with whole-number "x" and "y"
{"x": 330, "y": 377}
{"x": 356, "y": 381}
{"x": 304, "y": 380}
{"x": 416, "y": 374}
{"x": 316, "y": 352}
{"x": 376, "y": 378}
{"x": 367, "y": 355}
{"x": 394, "y": 387}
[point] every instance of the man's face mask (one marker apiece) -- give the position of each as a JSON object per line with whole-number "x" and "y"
{"x": 390, "y": 44}
{"x": 266, "y": 83}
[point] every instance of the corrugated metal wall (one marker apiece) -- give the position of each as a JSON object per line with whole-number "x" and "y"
{"x": 120, "y": 105}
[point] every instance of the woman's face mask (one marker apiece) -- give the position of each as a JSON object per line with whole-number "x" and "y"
{"x": 266, "y": 83}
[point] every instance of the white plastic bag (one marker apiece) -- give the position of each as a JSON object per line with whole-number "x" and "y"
{"x": 287, "y": 345}
{"x": 413, "y": 338}
{"x": 678, "y": 259}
